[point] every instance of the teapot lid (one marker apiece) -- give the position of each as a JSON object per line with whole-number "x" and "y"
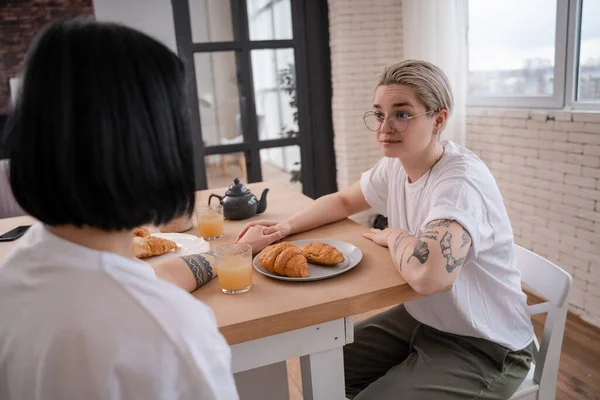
{"x": 237, "y": 189}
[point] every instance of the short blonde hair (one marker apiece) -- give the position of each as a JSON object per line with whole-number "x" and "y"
{"x": 432, "y": 85}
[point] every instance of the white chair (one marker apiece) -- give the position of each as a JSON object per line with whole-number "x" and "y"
{"x": 555, "y": 285}
{"x": 239, "y": 158}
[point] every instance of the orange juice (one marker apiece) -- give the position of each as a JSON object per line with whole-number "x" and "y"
{"x": 235, "y": 273}
{"x": 210, "y": 225}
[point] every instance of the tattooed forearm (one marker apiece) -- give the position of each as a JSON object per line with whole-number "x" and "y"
{"x": 466, "y": 239}
{"x": 446, "y": 246}
{"x": 200, "y": 268}
{"x": 421, "y": 252}
{"x": 397, "y": 242}
{"x": 400, "y": 260}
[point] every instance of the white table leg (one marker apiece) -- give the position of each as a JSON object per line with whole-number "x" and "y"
{"x": 323, "y": 375}
{"x": 268, "y": 382}
{"x": 321, "y": 357}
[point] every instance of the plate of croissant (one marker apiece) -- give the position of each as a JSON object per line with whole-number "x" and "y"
{"x": 157, "y": 246}
{"x": 307, "y": 260}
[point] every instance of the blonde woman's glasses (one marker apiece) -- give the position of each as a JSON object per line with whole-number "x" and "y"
{"x": 398, "y": 121}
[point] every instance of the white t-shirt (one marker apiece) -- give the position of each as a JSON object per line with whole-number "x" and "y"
{"x": 76, "y": 323}
{"x": 486, "y": 301}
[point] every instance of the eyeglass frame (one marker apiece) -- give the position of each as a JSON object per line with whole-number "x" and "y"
{"x": 381, "y": 123}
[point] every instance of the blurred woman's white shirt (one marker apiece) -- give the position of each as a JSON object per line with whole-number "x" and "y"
{"x": 83, "y": 324}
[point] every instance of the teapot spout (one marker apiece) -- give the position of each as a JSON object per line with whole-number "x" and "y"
{"x": 262, "y": 204}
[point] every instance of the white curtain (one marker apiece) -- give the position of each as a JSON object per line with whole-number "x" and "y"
{"x": 436, "y": 31}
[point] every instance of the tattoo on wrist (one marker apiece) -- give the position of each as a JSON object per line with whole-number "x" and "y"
{"x": 200, "y": 268}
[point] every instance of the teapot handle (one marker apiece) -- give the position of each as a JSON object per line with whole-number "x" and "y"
{"x": 217, "y": 196}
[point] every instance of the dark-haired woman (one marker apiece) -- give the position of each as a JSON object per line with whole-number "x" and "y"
{"x": 99, "y": 145}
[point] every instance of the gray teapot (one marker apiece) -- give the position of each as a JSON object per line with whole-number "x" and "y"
{"x": 239, "y": 203}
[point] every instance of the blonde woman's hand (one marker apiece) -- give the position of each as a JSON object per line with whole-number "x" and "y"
{"x": 260, "y": 237}
{"x": 263, "y": 223}
{"x": 283, "y": 226}
{"x": 378, "y": 236}
{"x": 272, "y": 227}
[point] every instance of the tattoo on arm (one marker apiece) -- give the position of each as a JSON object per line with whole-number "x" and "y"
{"x": 438, "y": 222}
{"x": 397, "y": 242}
{"x": 466, "y": 239}
{"x": 402, "y": 258}
{"x": 421, "y": 252}
{"x": 430, "y": 234}
{"x": 446, "y": 246}
{"x": 200, "y": 268}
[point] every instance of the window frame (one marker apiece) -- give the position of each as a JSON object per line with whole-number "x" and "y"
{"x": 566, "y": 68}
{"x": 574, "y": 44}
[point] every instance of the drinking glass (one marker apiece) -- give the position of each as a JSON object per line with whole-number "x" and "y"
{"x": 210, "y": 222}
{"x": 234, "y": 267}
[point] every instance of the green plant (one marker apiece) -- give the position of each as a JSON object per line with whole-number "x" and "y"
{"x": 287, "y": 80}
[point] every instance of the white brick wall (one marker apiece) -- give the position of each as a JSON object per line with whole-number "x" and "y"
{"x": 365, "y": 35}
{"x": 547, "y": 165}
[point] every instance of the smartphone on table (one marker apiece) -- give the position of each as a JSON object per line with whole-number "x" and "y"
{"x": 14, "y": 234}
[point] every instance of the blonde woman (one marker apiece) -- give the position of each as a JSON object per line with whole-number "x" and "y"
{"x": 470, "y": 335}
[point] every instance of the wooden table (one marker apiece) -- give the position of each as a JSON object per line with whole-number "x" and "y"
{"x": 276, "y": 320}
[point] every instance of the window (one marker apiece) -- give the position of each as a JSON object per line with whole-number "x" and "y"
{"x": 588, "y": 79}
{"x": 260, "y": 102}
{"x": 518, "y": 61}
{"x": 538, "y": 53}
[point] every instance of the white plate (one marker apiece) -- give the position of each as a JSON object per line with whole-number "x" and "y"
{"x": 186, "y": 244}
{"x": 352, "y": 256}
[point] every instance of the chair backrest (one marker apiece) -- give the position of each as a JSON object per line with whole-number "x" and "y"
{"x": 555, "y": 285}
{"x": 8, "y": 205}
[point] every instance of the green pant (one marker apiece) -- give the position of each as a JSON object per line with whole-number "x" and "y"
{"x": 396, "y": 357}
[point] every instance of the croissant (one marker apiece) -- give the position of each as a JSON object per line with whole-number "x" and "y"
{"x": 322, "y": 254}
{"x": 284, "y": 259}
{"x": 149, "y": 246}
{"x": 141, "y": 232}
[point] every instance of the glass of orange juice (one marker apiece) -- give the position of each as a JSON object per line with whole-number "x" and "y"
{"x": 234, "y": 267}
{"x": 210, "y": 222}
